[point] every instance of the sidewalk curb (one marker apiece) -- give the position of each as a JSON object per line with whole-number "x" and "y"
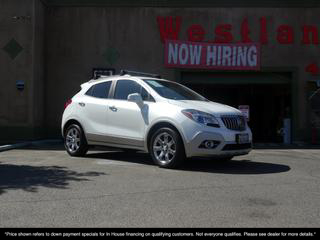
{"x": 13, "y": 146}
{"x": 29, "y": 143}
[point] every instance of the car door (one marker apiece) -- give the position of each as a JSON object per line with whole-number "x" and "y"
{"x": 126, "y": 120}
{"x": 94, "y": 105}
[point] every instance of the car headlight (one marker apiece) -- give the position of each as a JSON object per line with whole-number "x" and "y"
{"x": 201, "y": 117}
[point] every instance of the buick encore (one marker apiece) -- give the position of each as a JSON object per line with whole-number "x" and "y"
{"x": 163, "y": 118}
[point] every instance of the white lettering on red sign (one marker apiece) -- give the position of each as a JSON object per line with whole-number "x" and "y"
{"x": 216, "y": 56}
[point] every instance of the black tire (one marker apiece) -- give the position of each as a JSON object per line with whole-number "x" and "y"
{"x": 75, "y": 141}
{"x": 173, "y": 152}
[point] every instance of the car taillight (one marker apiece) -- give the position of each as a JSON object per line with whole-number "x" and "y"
{"x": 67, "y": 103}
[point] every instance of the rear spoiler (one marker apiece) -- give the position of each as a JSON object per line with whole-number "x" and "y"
{"x": 84, "y": 85}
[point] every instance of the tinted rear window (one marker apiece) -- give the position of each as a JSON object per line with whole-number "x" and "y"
{"x": 100, "y": 90}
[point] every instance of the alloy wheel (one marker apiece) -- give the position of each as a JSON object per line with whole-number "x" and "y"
{"x": 73, "y": 139}
{"x": 164, "y": 148}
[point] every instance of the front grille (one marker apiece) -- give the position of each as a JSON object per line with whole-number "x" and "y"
{"x": 234, "y": 122}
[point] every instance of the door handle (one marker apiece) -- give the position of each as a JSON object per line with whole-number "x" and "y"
{"x": 82, "y": 104}
{"x": 113, "y": 108}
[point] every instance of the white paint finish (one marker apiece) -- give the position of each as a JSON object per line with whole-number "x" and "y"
{"x": 94, "y": 114}
{"x": 124, "y": 121}
{"x": 127, "y": 120}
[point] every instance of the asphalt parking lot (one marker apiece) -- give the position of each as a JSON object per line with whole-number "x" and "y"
{"x": 44, "y": 187}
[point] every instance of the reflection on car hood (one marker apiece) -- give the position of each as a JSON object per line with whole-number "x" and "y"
{"x": 214, "y": 108}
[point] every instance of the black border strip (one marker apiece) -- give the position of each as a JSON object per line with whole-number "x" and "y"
{"x": 186, "y": 3}
{"x": 68, "y": 233}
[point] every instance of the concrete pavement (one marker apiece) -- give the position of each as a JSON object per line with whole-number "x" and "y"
{"x": 45, "y": 187}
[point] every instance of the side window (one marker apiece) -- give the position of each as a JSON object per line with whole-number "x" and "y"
{"x": 89, "y": 92}
{"x": 126, "y": 87}
{"x": 146, "y": 96}
{"x": 100, "y": 90}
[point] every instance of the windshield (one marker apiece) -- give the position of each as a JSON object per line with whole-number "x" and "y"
{"x": 173, "y": 90}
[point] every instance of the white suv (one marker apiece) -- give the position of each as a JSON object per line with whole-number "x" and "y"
{"x": 147, "y": 113}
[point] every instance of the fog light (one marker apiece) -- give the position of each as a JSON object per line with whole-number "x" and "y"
{"x": 210, "y": 144}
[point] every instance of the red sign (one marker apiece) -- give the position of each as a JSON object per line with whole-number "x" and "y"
{"x": 240, "y": 56}
{"x": 170, "y": 28}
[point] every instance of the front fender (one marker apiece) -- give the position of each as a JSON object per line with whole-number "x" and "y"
{"x": 160, "y": 121}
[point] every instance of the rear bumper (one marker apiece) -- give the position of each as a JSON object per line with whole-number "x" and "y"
{"x": 227, "y": 145}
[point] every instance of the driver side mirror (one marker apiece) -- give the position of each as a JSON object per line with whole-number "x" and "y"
{"x": 136, "y": 97}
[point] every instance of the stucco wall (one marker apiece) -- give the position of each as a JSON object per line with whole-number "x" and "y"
{"x": 14, "y": 104}
{"x": 61, "y": 44}
{"x": 79, "y": 38}
{"x": 21, "y": 58}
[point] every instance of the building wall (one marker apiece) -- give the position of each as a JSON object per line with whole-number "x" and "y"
{"x": 21, "y": 59}
{"x": 80, "y": 38}
{"x": 63, "y": 42}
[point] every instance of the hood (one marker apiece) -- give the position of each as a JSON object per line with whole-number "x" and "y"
{"x": 216, "y": 109}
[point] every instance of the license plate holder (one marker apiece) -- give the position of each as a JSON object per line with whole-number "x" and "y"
{"x": 242, "y": 138}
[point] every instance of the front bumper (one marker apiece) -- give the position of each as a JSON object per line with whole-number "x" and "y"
{"x": 227, "y": 144}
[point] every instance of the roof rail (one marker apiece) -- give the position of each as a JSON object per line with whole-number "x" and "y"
{"x": 123, "y": 72}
